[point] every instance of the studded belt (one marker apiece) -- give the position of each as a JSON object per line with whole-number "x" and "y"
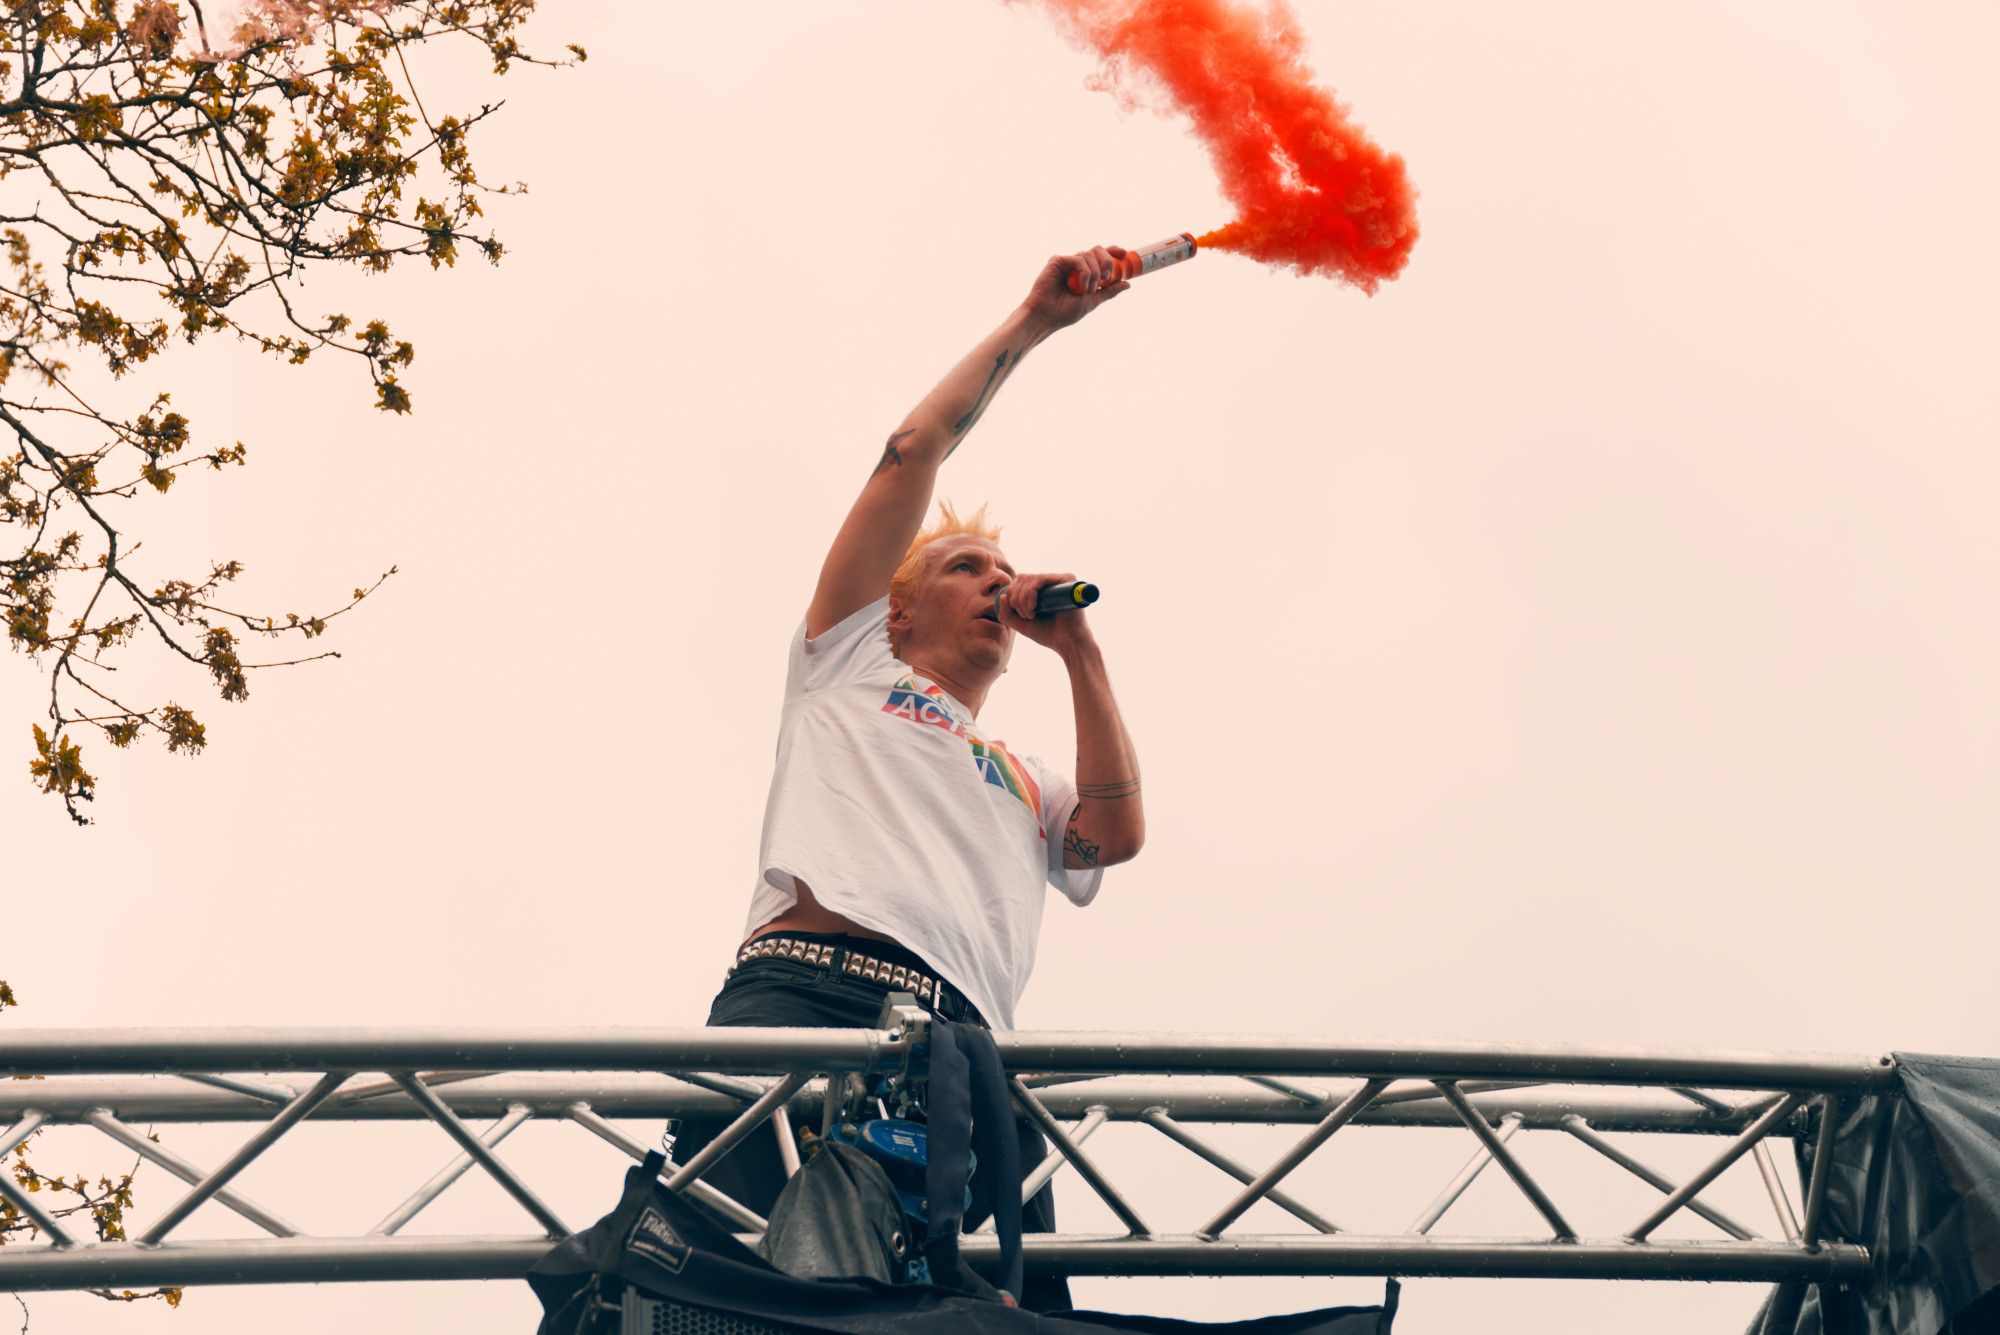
{"x": 931, "y": 991}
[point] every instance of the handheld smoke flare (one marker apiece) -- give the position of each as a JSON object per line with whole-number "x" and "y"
{"x": 1147, "y": 258}
{"x": 1312, "y": 192}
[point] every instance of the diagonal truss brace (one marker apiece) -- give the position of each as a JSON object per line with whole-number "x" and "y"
{"x": 288, "y": 1116}
{"x": 1774, "y": 1186}
{"x": 1349, "y": 1109}
{"x": 147, "y": 1148}
{"x": 1466, "y": 1175}
{"x": 1530, "y": 1188}
{"x": 449, "y": 1174}
{"x": 749, "y": 1120}
{"x": 1776, "y": 1111}
{"x": 723, "y": 1204}
{"x": 1073, "y": 1152}
{"x": 426, "y": 1098}
{"x": 1586, "y": 1133}
{"x": 1158, "y": 1119}
{"x": 31, "y": 1122}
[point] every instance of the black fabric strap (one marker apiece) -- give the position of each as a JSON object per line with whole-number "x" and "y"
{"x": 969, "y": 1110}
{"x": 998, "y": 1147}
{"x": 948, "y": 1125}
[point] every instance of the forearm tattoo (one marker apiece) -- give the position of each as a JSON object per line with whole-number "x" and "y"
{"x": 1076, "y": 846}
{"x": 891, "y": 456}
{"x": 1125, "y": 788}
{"x": 1003, "y": 366}
{"x": 993, "y": 377}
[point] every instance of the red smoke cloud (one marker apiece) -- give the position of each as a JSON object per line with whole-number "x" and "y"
{"x": 1310, "y": 189}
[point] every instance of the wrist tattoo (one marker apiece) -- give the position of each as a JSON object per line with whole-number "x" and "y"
{"x": 891, "y": 456}
{"x": 1075, "y": 845}
{"x": 1126, "y": 788}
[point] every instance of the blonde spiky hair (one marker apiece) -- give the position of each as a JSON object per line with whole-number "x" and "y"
{"x": 909, "y": 575}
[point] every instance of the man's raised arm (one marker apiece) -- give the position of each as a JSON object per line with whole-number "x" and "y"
{"x": 890, "y": 510}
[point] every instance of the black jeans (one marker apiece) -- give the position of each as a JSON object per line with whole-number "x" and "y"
{"x": 780, "y": 992}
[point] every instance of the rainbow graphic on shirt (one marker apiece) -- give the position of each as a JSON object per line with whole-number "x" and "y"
{"x": 997, "y": 765}
{"x": 926, "y": 707}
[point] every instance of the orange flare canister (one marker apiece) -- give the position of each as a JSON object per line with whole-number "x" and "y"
{"x": 1147, "y": 258}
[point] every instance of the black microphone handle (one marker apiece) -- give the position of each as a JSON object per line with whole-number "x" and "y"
{"x": 1071, "y": 597}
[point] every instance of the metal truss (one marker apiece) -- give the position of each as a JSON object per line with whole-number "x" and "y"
{"x": 604, "y": 1081}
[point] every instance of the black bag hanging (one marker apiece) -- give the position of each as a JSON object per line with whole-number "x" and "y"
{"x": 839, "y": 1218}
{"x": 656, "y": 1262}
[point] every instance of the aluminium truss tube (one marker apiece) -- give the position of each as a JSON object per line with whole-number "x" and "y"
{"x": 1505, "y": 1157}
{"x": 788, "y": 1144}
{"x": 1417, "y": 1091}
{"x": 721, "y": 1084}
{"x": 1085, "y": 1168}
{"x": 1158, "y": 1119}
{"x": 1349, "y": 1108}
{"x": 764, "y": 1050}
{"x": 726, "y": 1206}
{"x": 376, "y": 1089}
{"x": 1781, "y": 1204}
{"x": 1822, "y": 1164}
{"x": 1315, "y": 1098}
{"x": 449, "y": 1174}
{"x": 141, "y": 1100}
{"x": 1781, "y": 1107}
{"x": 1052, "y": 1164}
{"x": 1708, "y": 1101}
{"x": 287, "y": 1117}
{"x": 188, "y": 1173}
{"x": 30, "y": 1122}
{"x": 1457, "y": 1186}
{"x": 481, "y": 1155}
{"x": 749, "y": 1120}
{"x": 304, "y": 1260}
{"x": 276, "y": 1094}
{"x": 1584, "y": 1132}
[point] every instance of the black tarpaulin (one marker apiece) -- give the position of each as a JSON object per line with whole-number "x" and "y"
{"x": 1915, "y": 1178}
{"x": 662, "y": 1245}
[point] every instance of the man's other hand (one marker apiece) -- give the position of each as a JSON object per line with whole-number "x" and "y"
{"x": 1050, "y": 302}
{"x": 1060, "y": 631}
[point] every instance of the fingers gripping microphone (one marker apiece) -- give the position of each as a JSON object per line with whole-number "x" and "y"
{"x": 1071, "y": 597}
{"x": 1145, "y": 259}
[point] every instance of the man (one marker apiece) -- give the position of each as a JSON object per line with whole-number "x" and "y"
{"x": 903, "y": 848}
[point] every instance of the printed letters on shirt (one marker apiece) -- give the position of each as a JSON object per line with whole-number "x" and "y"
{"x": 996, "y": 764}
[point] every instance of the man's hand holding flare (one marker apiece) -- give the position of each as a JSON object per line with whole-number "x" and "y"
{"x": 1053, "y": 305}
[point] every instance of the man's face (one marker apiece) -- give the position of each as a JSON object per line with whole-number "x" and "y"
{"x": 950, "y": 620}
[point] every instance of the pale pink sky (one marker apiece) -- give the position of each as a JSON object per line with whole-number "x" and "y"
{"x": 1591, "y": 637}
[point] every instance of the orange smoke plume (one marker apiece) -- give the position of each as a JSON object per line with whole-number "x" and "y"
{"x": 1310, "y": 189}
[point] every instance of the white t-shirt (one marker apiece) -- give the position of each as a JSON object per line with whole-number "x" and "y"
{"x": 902, "y": 815}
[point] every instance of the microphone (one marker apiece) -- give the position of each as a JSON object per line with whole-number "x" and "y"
{"x": 1071, "y": 597}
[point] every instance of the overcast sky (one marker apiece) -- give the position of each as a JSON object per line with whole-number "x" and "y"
{"x": 1589, "y": 638}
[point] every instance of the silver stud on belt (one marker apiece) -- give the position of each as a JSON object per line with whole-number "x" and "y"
{"x": 865, "y": 967}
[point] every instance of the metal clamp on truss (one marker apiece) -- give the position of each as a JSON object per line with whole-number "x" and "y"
{"x": 907, "y": 1022}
